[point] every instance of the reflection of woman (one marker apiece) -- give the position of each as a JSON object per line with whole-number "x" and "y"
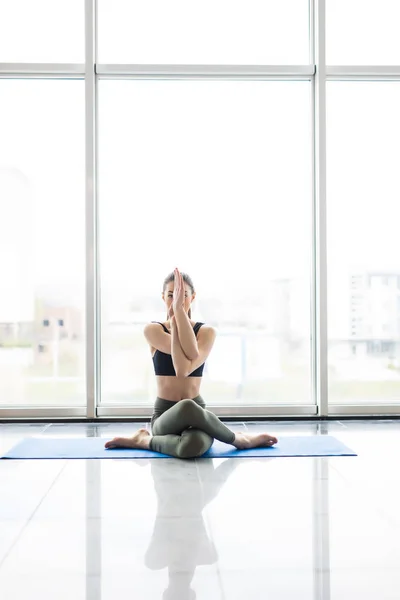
{"x": 181, "y": 425}
{"x": 180, "y": 540}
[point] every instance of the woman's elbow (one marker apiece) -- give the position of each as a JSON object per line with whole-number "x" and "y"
{"x": 181, "y": 375}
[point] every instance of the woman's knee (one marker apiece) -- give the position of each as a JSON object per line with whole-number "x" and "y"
{"x": 194, "y": 444}
{"x": 188, "y": 407}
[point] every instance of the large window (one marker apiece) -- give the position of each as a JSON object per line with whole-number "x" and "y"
{"x": 42, "y": 31}
{"x": 254, "y": 145}
{"x": 254, "y": 32}
{"x": 195, "y": 175}
{"x": 42, "y": 243}
{"x": 363, "y": 261}
{"x": 362, "y": 33}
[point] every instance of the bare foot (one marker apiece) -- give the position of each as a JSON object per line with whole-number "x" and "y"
{"x": 140, "y": 439}
{"x": 253, "y": 440}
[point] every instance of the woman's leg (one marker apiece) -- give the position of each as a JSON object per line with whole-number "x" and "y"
{"x": 171, "y": 434}
{"x": 187, "y": 413}
{"x": 175, "y": 432}
{"x": 168, "y": 427}
{"x": 191, "y": 443}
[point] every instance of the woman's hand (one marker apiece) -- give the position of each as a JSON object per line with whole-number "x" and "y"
{"x": 178, "y": 298}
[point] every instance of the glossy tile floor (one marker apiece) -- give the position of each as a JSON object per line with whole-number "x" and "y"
{"x": 216, "y": 529}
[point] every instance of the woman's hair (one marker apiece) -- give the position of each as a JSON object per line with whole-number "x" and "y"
{"x": 186, "y": 279}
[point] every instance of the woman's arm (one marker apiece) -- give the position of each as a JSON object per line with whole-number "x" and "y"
{"x": 180, "y": 360}
{"x": 186, "y": 334}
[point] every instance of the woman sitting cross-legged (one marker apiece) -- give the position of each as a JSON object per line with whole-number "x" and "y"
{"x": 181, "y": 426}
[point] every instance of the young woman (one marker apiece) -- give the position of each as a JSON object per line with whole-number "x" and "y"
{"x": 181, "y": 426}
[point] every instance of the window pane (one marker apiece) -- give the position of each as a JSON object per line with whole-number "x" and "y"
{"x": 362, "y": 33}
{"x": 363, "y": 130}
{"x": 42, "y": 31}
{"x": 42, "y": 249}
{"x": 211, "y": 32}
{"x": 212, "y": 177}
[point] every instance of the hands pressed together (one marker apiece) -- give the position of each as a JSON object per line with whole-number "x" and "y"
{"x": 178, "y": 298}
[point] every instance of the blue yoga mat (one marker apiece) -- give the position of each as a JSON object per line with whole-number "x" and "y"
{"x": 46, "y": 447}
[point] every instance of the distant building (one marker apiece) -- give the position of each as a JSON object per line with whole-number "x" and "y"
{"x": 374, "y": 312}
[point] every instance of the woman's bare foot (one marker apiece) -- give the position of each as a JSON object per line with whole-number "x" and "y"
{"x": 140, "y": 439}
{"x": 253, "y": 440}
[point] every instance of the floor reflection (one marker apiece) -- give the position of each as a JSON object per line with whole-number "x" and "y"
{"x": 181, "y": 540}
{"x": 322, "y": 584}
{"x": 182, "y": 543}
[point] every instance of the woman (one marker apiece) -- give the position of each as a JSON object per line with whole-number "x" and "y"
{"x": 181, "y": 426}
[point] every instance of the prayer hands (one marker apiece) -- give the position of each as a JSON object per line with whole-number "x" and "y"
{"x": 178, "y": 299}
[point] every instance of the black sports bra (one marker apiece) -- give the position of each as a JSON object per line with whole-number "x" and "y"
{"x": 163, "y": 364}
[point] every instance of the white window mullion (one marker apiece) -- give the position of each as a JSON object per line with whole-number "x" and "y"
{"x": 319, "y": 277}
{"x": 92, "y": 283}
{"x": 217, "y": 71}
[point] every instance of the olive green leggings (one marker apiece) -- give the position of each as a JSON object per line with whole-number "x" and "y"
{"x": 185, "y": 429}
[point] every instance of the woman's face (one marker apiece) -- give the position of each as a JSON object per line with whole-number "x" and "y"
{"x": 167, "y": 296}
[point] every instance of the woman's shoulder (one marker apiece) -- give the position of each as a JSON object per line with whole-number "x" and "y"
{"x": 207, "y": 329}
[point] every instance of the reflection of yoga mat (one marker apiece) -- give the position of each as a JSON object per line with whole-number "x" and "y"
{"x": 46, "y": 447}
